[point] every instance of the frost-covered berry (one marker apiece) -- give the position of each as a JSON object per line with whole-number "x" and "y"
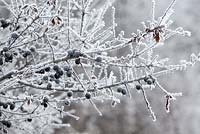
{"x": 29, "y": 119}
{"x": 8, "y": 55}
{"x": 47, "y": 69}
{"x": 5, "y": 131}
{"x": 14, "y": 35}
{"x": 78, "y": 61}
{"x": 42, "y": 71}
{"x": 6, "y": 123}
{"x": 24, "y": 55}
{"x": 5, "y": 49}
{"x": 49, "y": 85}
{"x": 60, "y": 71}
{"x": 5, "y": 105}
{"x": 149, "y": 81}
{"x": 74, "y": 53}
{"x": 9, "y": 124}
{"x": 69, "y": 94}
{"x": 12, "y": 106}
{"x": 98, "y": 59}
{"x": 45, "y": 78}
{"x": 66, "y": 68}
{"x": 70, "y": 53}
{"x": 119, "y": 90}
{"x": 138, "y": 87}
{"x": 56, "y": 67}
{"x": 69, "y": 73}
{"x": 87, "y": 95}
{"x": 45, "y": 99}
{"x": 67, "y": 102}
{"x": 28, "y": 52}
{"x": 145, "y": 79}
{"x": 57, "y": 75}
{"x": 57, "y": 81}
{"x": 77, "y": 54}
{"x": 45, "y": 105}
{"x": 33, "y": 49}
{"x": 124, "y": 92}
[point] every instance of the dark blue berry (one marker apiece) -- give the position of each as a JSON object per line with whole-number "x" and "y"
{"x": 87, "y": 95}
{"x": 119, "y": 90}
{"x": 138, "y": 87}
{"x": 149, "y": 81}
{"x": 32, "y": 49}
{"x": 124, "y": 91}
{"x": 98, "y": 59}
{"x": 78, "y": 61}
{"x": 57, "y": 75}
{"x": 29, "y": 119}
{"x": 49, "y": 85}
{"x": 5, "y": 105}
{"x": 47, "y": 69}
{"x": 45, "y": 78}
{"x": 5, "y": 49}
{"x": 69, "y": 73}
{"x": 60, "y": 72}
{"x": 12, "y": 106}
{"x": 56, "y": 67}
{"x": 45, "y": 99}
{"x": 66, "y": 68}
{"x": 69, "y": 94}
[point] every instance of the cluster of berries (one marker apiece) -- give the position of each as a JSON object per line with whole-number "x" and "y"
{"x": 6, "y": 123}
{"x": 4, "y": 23}
{"x": 149, "y": 80}
{"x": 6, "y": 104}
{"x": 5, "y": 56}
{"x": 45, "y": 102}
{"x": 58, "y": 72}
{"x": 121, "y": 90}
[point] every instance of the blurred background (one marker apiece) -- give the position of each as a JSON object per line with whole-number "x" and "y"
{"x": 131, "y": 115}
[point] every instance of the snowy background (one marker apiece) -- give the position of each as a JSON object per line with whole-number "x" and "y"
{"x": 131, "y": 116}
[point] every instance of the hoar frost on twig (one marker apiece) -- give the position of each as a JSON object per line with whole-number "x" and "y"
{"x": 56, "y": 53}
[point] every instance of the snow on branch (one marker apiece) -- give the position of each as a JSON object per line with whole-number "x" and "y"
{"x": 57, "y": 53}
